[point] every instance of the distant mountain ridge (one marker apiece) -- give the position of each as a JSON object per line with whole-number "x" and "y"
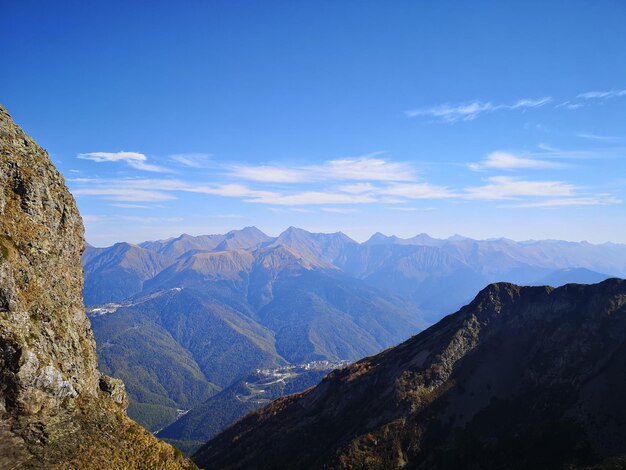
{"x": 418, "y": 269}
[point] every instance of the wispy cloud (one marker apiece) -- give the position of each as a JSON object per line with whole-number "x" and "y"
{"x": 151, "y": 190}
{"x": 471, "y": 110}
{"x": 229, "y": 216}
{"x": 132, "y": 206}
{"x": 416, "y": 191}
{"x": 364, "y": 168}
{"x": 569, "y": 105}
{"x": 124, "y": 194}
{"x": 339, "y": 185}
{"x": 193, "y": 160}
{"x": 307, "y": 198}
{"x": 151, "y": 220}
{"x": 133, "y": 190}
{"x": 602, "y": 95}
{"x": 508, "y": 161}
{"x": 340, "y": 210}
{"x": 589, "y": 97}
{"x": 600, "y": 200}
{"x": 134, "y": 159}
{"x": 599, "y": 138}
{"x": 504, "y": 187}
{"x": 270, "y": 174}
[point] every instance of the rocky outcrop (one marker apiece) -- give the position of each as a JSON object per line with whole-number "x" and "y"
{"x": 56, "y": 409}
{"x": 522, "y": 377}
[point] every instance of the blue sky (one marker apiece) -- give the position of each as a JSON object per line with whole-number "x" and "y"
{"x": 486, "y": 119}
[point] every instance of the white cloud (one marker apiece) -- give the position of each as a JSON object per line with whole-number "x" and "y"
{"x": 132, "y": 206}
{"x": 230, "y": 216}
{"x": 508, "y": 161}
{"x": 471, "y": 110}
{"x": 357, "y": 188}
{"x": 602, "y": 95}
{"x": 340, "y": 210}
{"x": 364, "y": 168}
{"x": 146, "y": 190}
{"x": 151, "y": 220}
{"x": 193, "y": 160}
{"x": 131, "y": 192}
{"x": 123, "y": 194}
{"x": 601, "y": 200}
{"x": 504, "y": 187}
{"x": 529, "y": 103}
{"x": 134, "y": 159}
{"x": 569, "y": 105}
{"x": 453, "y": 113}
{"x": 313, "y": 198}
{"x": 416, "y": 191}
{"x": 270, "y": 174}
{"x": 367, "y": 169}
{"x": 600, "y": 138}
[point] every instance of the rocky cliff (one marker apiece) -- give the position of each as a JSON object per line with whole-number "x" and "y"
{"x": 522, "y": 377}
{"x": 57, "y": 410}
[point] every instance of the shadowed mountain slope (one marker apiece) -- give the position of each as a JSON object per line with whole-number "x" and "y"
{"x": 522, "y": 377}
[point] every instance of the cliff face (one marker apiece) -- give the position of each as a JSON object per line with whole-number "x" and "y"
{"x": 56, "y": 408}
{"x": 523, "y": 377}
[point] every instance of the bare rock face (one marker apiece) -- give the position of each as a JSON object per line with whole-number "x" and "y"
{"x": 56, "y": 409}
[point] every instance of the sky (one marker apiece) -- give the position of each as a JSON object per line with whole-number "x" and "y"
{"x": 486, "y": 119}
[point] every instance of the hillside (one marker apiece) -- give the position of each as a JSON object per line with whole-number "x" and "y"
{"x": 522, "y": 377}
{"x": 175, "y": 348}
{"x": 57, "y": 410}
{"x": 253, "y": 391}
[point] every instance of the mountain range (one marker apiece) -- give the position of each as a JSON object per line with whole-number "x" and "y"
{"x": 180, "y": 320}
{"x": 522, "y": 377}
{"x": 209, "y": 318}
{"x": 416, "y": 269}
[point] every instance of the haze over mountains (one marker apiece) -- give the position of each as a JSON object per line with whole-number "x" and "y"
{"x": 190, "y": 316}
{"x": 410, "y": 268}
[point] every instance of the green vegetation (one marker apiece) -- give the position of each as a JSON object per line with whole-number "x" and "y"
{"x": 151, "y": 416}
{"x": 186, "y": 447}
{"x": 159, "y": 374}
{"x": 5, "y": 242}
